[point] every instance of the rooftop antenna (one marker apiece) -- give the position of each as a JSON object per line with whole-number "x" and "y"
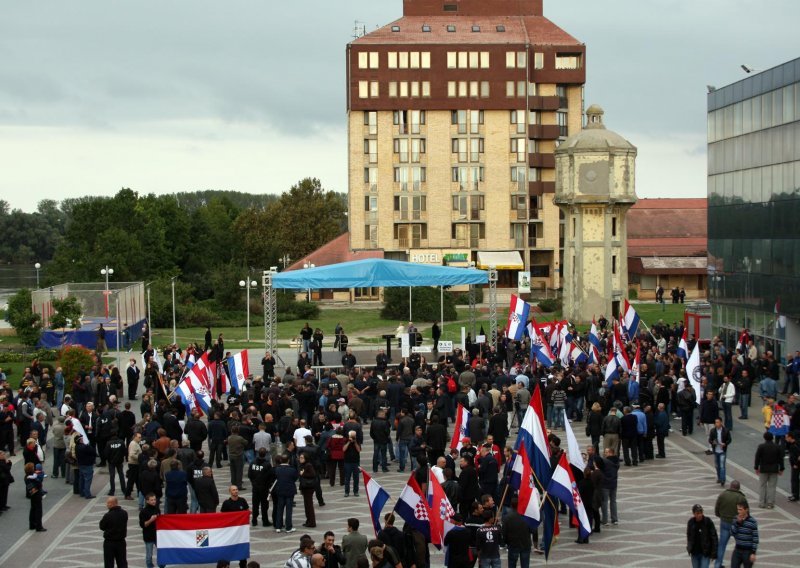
{"x": 359, "y": 29}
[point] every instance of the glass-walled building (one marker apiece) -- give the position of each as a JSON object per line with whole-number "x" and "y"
{"x": 754, "y": 208}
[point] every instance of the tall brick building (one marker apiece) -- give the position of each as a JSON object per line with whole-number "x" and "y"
{"x": 454, "y": 112}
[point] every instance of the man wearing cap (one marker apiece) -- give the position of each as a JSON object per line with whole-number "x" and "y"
{"x": 701, "y": 538}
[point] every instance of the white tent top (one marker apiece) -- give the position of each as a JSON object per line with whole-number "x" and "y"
{"x": 501, "y": 260}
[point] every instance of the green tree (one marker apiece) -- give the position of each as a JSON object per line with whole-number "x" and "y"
{"x": 425, "y": 304}
{"x": 27, "y": 324}
{"x": 68, "y": 311}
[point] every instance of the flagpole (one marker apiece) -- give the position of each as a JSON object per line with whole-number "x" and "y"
{"x": 641, "y": 321}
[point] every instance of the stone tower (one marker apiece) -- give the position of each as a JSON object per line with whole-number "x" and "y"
{"x": 594, "y": 190}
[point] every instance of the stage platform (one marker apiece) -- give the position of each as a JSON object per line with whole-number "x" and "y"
{"x": 86, "y": 334}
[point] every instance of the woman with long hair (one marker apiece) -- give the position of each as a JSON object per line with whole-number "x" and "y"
{"x": 308, "y": 483}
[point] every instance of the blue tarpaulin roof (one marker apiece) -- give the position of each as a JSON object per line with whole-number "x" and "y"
{"x": 377, "y": 272}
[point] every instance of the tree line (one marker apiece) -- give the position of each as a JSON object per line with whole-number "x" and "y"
{"x": 208, "y": 240}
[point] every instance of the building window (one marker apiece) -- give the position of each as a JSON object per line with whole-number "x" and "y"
{"x": 371, "y": 236}
{"x": 425, "y": 60}
{"x": 462, "y": 88}
{"x": 511, "y": 59}
{"x": 518, "y": 118}
{"x": 613, "y": 264}
{"x": 538, "y": 60}
{"x": 371, "y": 120}
{"x": 373, "y": 60}
{"x": 476, "y": 29}
{"x": 516, "y": 59}
{"x": 451, "y": 88}
{"x": 363, "y": 89}
{"x": 484, "y": 59}
{"x": 452, "y": 59}
{"x": 403, "y": 60}
{"x": 462, "y": 59}
{"x": 451, "y": 28}
{"x": 371, "y": 149}
{"x": 391, "y": 60}
{"x": 509, "y": 88}
{"x": 613, "y": 226}
{"x": 500, "y": 28}
{"x": 519, "y": 147}
{"x": 426, "y": 28}
{"x": 414, "y": 88}
{"x": 485, "y": 89}
{"x": 371, "y": 177}
{"x": 568, "y": 61}
{"x": 426, "y": 88}
{"x": 373, "y": 89}
{"x": 561, "y": 119}
{"x": 363, "y": 60}
{"x": 370, "y": 203}
{"x": 392, "y": 88}
{"x": 414, "y": 63}
{"x": 395, "y": 29}
{"x": 521, "y": 87}
{"x": 403, "y": 88}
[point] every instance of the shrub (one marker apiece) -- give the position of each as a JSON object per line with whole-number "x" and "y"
{"x": 425, "y": 304}
{"x": 68, "y": 312}
{"x": 550, "y": 305}
{"x": 633, "y": 294}
{"x": 72, "y": 360}
{"x": 20, "y": 357}
{"x": 27, "y": 324}
{"x": 290, "y": 309}
{"x": 462, "y": 298}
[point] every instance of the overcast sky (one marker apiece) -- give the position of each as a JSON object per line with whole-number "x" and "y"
{"x": 199, "y": 94}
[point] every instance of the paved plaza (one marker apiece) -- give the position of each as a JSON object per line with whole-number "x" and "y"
{"x": 655, "y": 501}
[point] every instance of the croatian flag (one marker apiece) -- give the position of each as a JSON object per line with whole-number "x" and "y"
{"x": 190, "y": 359}
{"x": 517, "y": 317}
{"x": 633, "y": 383}
{"x": 539, "y": 347}
{"x": 683, "y": 347}
{"x": 576, "y": 354}
{"x": 203, "y": 538}
{"x": 563, "y": 487}
{"x": 239, "y": 370}
{"x": 441, "y": 511}
{"x": 573, "y": 448}
{"x": 630, "y": 320}
{"x": 413, "y": 508}
{"x": 619, "y": 351}
{"x": 460, "y": 428}
{"x": 194, "y": 393}
{"x": 594, "y": 340}
{"x": 376, "y": 498}
{"x": 528, "y": 505}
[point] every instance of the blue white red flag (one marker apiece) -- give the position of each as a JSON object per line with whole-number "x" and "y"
{"x": 441, "y": 511}
{"x": 203, "y": 538}
{"x": 633, "y": 383}
{"x": 239, "y": 370}
{"x": 517, "y": 317}
{"x": 190, "y": 359}
{"x": 620, "y": 352}
{"x": 562, "y": 486}
{"x": 413, "y": 508}
{"x": 630, "y": 320}
{"x": 376, "y": 499}
{"x": 460, "y": 427}
{"x": 594, "y": 341}
{"x": 540, "y": 350}
{"x": 576, "y": 354}
{"x": 683, "y": 347}
{"x": 529, "y": 502}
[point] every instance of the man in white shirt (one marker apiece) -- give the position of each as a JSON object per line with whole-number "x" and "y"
{"x": 65, "y": 406}
{"x": 438, "y": 469}
{"x": 727, "y": 392}
{"x": 300, "y": 435}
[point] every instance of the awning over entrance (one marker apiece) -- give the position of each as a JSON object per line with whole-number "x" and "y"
{"x": 501, "y": 260}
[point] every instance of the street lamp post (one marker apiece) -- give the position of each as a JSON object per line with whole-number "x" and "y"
{"x": 308, "y": 265}
{"x": 106, "y": 271}
{"x": 247, "y": 284}
{"x": 37, "y": 266}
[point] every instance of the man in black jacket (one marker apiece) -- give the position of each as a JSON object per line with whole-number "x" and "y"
{"x": 114, "y": 525}
{"x": 381, "y": 433}
{"x": 206, "y": 490}
{"x": 517, "y": 536}
{"x": 196, "y": 431}
{"x": 262, "y": 477}
{"x": 115, "y": 457}
{"x": 793, "y": 450}
{"x": 469, "y": 489}
{"x": 701, "y": 538}
{"x": 147, "y": 521}
{"x": 235, "y": 503}
{"x": 768, "y": 466}
{"x": 435, "y": 438}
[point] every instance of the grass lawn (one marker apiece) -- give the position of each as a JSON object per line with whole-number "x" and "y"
{"x": 651, "y": 313}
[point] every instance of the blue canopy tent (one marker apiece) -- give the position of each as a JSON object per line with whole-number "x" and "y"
{"x": 372, "y": 272}
{"x": 377, "y": 272}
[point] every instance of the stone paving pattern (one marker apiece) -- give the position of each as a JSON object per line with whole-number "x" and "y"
{"x": 654, "y": 499}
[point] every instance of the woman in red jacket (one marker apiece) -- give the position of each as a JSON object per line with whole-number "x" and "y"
{"x": 336, "y": 457}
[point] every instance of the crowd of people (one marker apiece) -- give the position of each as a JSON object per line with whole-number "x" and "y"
{"x": 292, "y": 433}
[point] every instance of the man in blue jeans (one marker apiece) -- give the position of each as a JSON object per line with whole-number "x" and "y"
{"x": 488, "y": 542}
{"x": 725, "y": 509}
{"x": 719, "y": 438}
{"x": 85, "y": 455}
{"x": 352, "y": 462}
{"x": 405, "y": 433}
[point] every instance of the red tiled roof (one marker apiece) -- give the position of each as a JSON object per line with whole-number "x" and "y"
{"x": 536, "y": 30}
{"x": 335, "y": 252}
{"x": 659, "y": 219}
